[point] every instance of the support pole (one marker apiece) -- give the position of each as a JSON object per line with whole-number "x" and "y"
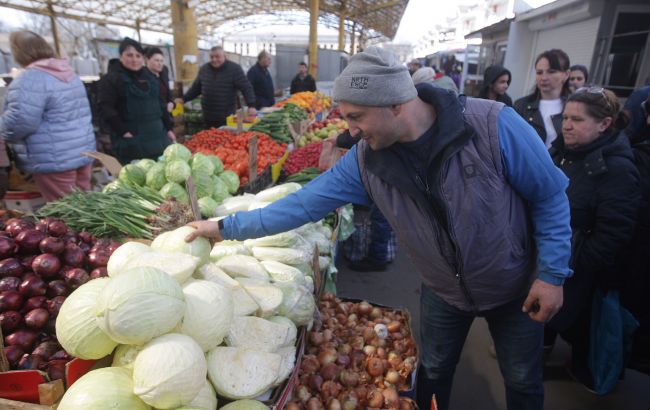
{"x": 353, "y": 37}
{"x": 186, "y": 49}
{"x": 342, "y": 31}
{"x": 137, "y": 30}
{"x": 55, "y": 30}
{"x": 314, "y": 10}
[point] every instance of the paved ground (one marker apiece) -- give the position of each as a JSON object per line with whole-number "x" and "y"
{"x": 478, "y": 383}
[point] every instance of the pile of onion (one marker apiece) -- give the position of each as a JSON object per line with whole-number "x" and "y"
{"x": 42, "y": 262}
{"x": 357, "y": 356}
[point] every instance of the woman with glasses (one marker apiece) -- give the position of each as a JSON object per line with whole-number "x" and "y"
{"x": 543, "y": 108}
{"x": 604, "y": 199}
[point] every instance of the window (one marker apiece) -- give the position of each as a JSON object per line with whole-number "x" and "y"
{"x": 624, "y": 70}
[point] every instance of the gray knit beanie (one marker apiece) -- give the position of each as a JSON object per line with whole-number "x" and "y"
{"x": 374, "y": 78}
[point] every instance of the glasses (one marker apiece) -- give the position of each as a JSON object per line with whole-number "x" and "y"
{"x": 595, "y": 90}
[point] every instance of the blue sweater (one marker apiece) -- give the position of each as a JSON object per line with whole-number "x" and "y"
{"x": 529, "y": 170}
{"x": 47, "y": 122}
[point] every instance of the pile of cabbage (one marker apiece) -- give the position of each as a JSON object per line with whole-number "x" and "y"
{"x": 188, "y": 322}
{"x": 213, "y": 184}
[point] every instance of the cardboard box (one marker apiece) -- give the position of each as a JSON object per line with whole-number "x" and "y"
{"x": 24, "y": 201}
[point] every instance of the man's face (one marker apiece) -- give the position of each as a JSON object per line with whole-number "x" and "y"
{"x": 302, "y": 69}
{"x": 265, "y": 61}
{"x": 217, "y": 58}
{"x": 378, "y": 126}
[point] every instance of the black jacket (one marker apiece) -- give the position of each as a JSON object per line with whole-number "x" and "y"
{"x": 218, "y": 90}
{"x": 492, "y": 73}
{"x": 260, "y": 79}
{"x": 112, "y": 98}
{"x": 302, "y": 84}
{"x": 528, "y": 108}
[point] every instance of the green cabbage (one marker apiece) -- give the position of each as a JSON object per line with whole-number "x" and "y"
{"x": 76, "y": 328}
{"x": 138, "y": 305}
{"x": 274, "y": 193}
{"x": 218, "y": 165}
{"x": 207, "y": 205}
{"x": 169, "y": 371}
{"x": 205, "y": 400}
{"x": 172, "y": 189}
{"x": 124, "y": 356}
{"x": 174, "y": 241}
{"x": 112, "y": 186}
{"x": 101, "y": 389}
{"x": 220, "y": 189}
{"x": 203, "y": 184}
{"x": 119, "y": 260}
{"x": 177, "y": 152}
{"x": 208, "y": 312}
{"x": 132, "y": 174}
{"x": 156, "y": 176}
{"x": 201, "y": 164}
{"x": 245, "y": 405}
{"x": 145, "y": 164}
{"x": 231, "y": 179}
{"x": 298, "y": 303}
{"x": 177, "y": 171}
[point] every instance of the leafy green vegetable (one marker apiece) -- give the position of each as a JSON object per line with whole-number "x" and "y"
{"x": 177, "y": 152}
{"x": 177, "y": 171}
{"x": 231, "y": 179}
{"x": 145, "y": 164}
{"x": 172, "y": 189}
{"x": 220, "y": 189}
{"x": 156, "y": 176}
{"x": 207, "y": 205}
{"x": 132, "y": 174}
{"x": 203, "y": 184}
{"x": 201, "y": 164}
{"x": 218, "y": 165}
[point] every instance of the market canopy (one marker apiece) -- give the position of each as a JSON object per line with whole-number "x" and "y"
{"x": 379, "y": 16}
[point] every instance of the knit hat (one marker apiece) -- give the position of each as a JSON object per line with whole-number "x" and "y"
{"x": 374, "y": 78}
{"x": 423, "y": 75}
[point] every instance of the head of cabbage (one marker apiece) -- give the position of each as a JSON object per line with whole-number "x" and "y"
{"x": 201, "y": 164}
{"x": 177, "y": 171}
{"x": 203, "y": 184}
{"x": 231, "y": 180}
{"x": 132, "y": 174}
{"x": 145, "y": 164}
{"x": 220, "y": 189}
{"x": 177, "y": 152}
{"x": 218, "y": 165}
{"x": 156, "y": 178}
{"x": 174, "y": 190}
{"x": 207, "y": 205}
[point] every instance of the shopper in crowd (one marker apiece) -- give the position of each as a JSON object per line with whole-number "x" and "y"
{"x": 461, "y": 199}
{"x": 382, "y": 244}
{"x": 260, "y": 78}
{"x": 428, "y": 75}
{"x": 414, "y": 65}
{"x": 543, "y": 108}
{"x": 303, "y": 81}
{"x": 131, "y": 107}
{"x": 578, "y": 77}
{"x": 156, "y": 65}
{"x": 604, "y": 199}
{"x": 637, "y": 129}
{"x": 47, "y": 119}
{"x": 496, "y": 81}
{"x": 634, "y": 294}
{"x": 217, "y": 83}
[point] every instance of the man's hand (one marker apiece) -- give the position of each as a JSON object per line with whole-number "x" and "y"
{"x": 543, "y": 302}
{"x": 207, "y": 229}
{"x": 252, "y": 111}
{"x": 127, "y": 135}
{"x": 171, "y": 136}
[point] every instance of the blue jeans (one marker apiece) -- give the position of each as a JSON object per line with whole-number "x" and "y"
{"x": 380, "y": 233}
{"x": 518, "y": 343}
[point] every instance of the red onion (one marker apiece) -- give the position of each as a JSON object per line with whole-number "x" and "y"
{"x": 34, "y": 302}
{"x": 46, "y": 349}
{"x": 76, "y": 277}
{"x": 8, "y": 247}
{"x": 315, "y": 381}
{"x": 54, "y": 305}
{"x": 10, "y": 300}
{"x": 16, "y": 226}
{"x": 52, "y": 244}
{"x": 57, "y": 228}
{"x": 86, "y": 237}
{"x": 56, "y": 369}
{"x": 57, "y": 288}
{"x": 61, "y": 355}
{"x": 30, "y": 362}
{"x": 10, "y": 267}
{"x": 73, "y": 256}
{"x": 27, "y": 261}
{"x": 37, "y": 318}
{"x": 23, "y": 338}
{"x": 14, "y": 354}
{"x": 99, "y": 273}
{"x": 47, "y": 265}
{"x": 98, "y": 258}
{"x": 113, "y": 245}
{"x": 29, "y": 239}
{"x": 32, "y": 286}
{"x": 330, "y": 371}
{"x": 10, "y": 321}
{"x": 9, "y": 283}
{"x": 50, "y": 326}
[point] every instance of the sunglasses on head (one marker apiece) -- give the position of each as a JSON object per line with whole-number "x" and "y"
{"x": 595, "y": 90}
